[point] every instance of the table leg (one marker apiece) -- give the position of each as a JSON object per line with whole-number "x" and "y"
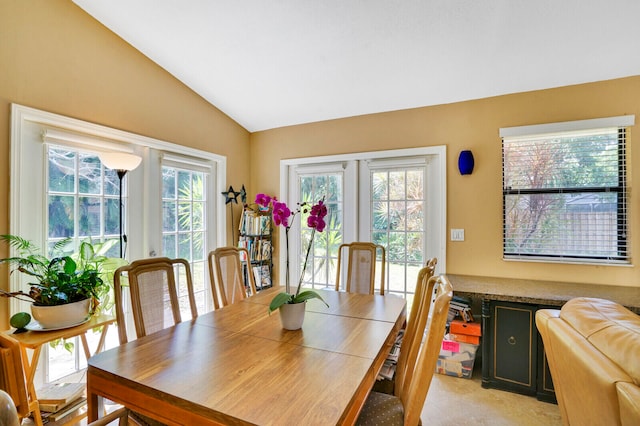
{"x": 30, "y": 368}
{"x": 85, "y": 344}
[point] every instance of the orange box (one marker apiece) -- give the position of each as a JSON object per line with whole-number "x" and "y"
{"x": 465, "y": 338}
{"x": 468, "y": 328}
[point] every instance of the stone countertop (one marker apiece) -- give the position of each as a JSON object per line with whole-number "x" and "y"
{"x": 541, "y": 292}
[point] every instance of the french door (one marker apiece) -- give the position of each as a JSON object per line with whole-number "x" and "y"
{"x": 394, "y": 200}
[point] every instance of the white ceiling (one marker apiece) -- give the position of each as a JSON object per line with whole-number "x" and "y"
{"x": 276, "y": 63}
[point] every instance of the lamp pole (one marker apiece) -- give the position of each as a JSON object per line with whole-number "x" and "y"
{"x": 122, "y": 163}
{"x": 121, "y": 174}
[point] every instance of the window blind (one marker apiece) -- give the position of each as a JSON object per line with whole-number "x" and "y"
{"x": 565, "y": 196}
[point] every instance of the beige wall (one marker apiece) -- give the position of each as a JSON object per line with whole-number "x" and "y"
{"x": 55, "y": 57}
{"x": 474, "y": 202}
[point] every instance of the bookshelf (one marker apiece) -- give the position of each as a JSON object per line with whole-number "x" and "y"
{"x": 255, "y": 235}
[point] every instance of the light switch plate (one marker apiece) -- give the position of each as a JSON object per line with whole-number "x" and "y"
{"x": 457, "y": 234}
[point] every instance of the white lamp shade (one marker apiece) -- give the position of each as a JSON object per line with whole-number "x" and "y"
{"x": 120, "y": 160}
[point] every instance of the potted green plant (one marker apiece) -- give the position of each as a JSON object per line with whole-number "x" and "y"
{"x": 292, "y": 305}
{"x": 65, "y": 289}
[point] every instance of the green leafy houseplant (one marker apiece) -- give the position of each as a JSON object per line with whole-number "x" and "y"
{"x": 281, "y": 217}
{"x": 62, "y": 279}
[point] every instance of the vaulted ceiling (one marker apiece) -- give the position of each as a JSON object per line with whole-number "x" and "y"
{"x": 269, "y": 64}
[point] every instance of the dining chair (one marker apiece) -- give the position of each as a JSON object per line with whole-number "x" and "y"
{"x": 361, "y": 267}
{"x": 419, "y": 362}
{"x": 15, "y": 401}
{"x": 155, "y": 303}
{"x": 229, "y": 282}
{"x": 13, "y": 380}
{"x": 407, "y": 350}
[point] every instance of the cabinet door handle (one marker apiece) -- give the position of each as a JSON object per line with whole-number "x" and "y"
{"x": 511, "y": 340}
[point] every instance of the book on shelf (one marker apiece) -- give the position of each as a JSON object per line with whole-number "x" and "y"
{"x": 262, "y": 276}
{"x": 257, "y": 248}
{"x": 253, "y": 223}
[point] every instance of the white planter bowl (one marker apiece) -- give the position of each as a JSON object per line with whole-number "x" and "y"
{"x": 61, "y": 316}
{"x": 292, "y": 315}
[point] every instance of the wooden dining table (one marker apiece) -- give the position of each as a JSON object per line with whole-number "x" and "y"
{"x": 238, "y": 366}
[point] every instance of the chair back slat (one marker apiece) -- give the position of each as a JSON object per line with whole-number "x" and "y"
{"x": 362, "y": 258}
{"x": 155, "y": 304}
{"x": 227, "y": 276}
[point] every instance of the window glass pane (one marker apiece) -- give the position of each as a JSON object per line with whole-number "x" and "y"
{"x": 61, "y": 216}
{"x": 169, "y": 216}
{"x": 415, "y": 244}
{"x": 415, "y": 185}
{"x": 89, "y": 174}
{"x": 397, "y": 215}
{"x": 168, "y": 182}
{"x": 397, "y": 185}
{"x": 198, "y": 246}
{"x": 169, "y": 245}
{"x": 334, "y": 190}
{"x": 380, "y": 216}
{"x": 90, "y": 213}
{"x": 184, "y": 184}
{"x": 112, "y": 216}
{"x": 185, "y": 216}
{"x": 184, "y": 246}
{"x": 197, "y": 220}
{"x": 379, "y": 186}
{"x": 111, "y": 182}
{"x": 415, "y": 216}
{"x": 62, "y": 170}
{"x": 197, "y": 187}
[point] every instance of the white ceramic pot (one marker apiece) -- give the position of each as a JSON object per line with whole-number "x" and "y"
{"x": 61, "y": 316}
{"x": 292, "y": 315}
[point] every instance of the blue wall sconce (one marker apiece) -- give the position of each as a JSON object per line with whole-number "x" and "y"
{"x": 465, "y": 162}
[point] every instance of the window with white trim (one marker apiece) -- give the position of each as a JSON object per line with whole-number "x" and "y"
{"x": 565, "y": 191}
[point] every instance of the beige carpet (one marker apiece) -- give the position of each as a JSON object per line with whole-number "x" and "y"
{"x": 457, "y": 401}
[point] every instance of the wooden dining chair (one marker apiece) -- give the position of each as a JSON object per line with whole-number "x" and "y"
{"x": 155, "y": 303}
{"x": 361, "y": 267}
{"x": 16, "y": 401}
{"x": 419, "y": 363}
{"x": 408, "y": 333}
{"x": 227, "y": 276}
{"x": 13, "y": 380}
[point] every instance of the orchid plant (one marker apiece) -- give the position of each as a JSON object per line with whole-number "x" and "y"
{"x": 283, "y": 216}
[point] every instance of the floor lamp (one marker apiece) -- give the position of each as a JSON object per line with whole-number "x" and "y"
{"x": 122, "y": 163}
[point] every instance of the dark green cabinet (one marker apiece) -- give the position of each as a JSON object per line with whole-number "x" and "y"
{"x": 513, "y": 355}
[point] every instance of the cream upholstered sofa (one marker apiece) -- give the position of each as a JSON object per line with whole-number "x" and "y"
{"x": 593, "y": 350}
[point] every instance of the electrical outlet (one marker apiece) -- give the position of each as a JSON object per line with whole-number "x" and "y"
{"x": 457, "y": 234}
